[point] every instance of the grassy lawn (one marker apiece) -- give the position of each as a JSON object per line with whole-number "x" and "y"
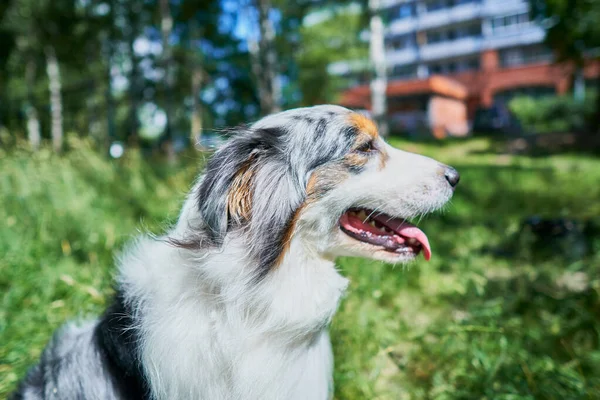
{"x": 495, "y": 314}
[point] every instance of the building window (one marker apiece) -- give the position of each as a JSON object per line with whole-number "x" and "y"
{"x": 467, "y": 31}
{"x": 461, "y": 32}
{"x": 400, "y": 42}
{"x": 436, "y": 5}
{"x": 455, "y": 66}
{"x": 524, "y": 55}
{"x": 405, "y": 11}
{"x": 435, "y": 69}
{"x": 510, "y": 22}
{"x": 400, "y": 12}
{"x": 436, "y": 36}
{"x": 467, "y": 65}
{"x": 403, "y": 72}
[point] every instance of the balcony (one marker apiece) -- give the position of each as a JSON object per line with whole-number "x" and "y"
{"x": 402, "y": 57}
{"x": 448, "y": 16}
{"x": 401, "y": 26}
{"x": 494, "y": 7}
{"x": 531, "y": 34}
{"x": 454, "y": 48}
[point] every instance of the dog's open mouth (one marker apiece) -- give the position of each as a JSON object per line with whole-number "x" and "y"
{"x": 395, "y": 235}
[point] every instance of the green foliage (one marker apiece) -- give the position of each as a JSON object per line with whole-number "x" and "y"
{"x": 573, "y": 33}
{"x": 573, "y": 27}
{"x": 553, "y": 113}
{"x": 470, "y": 324}
{"x": 322, "y": 45}
{"x": 111, "y": 64}
{"x": 62, "y": 220}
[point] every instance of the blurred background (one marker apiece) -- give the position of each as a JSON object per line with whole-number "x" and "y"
{"x": 109, "y": 108}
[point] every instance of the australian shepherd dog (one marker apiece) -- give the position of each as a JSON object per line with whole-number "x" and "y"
{"x": 235, "y": 300}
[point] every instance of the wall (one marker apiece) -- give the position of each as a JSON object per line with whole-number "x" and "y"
{"x": 447, "y": 117}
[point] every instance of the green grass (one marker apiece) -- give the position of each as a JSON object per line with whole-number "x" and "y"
{"x": 470, "y": 324}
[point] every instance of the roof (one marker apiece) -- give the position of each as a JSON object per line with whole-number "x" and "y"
{"x": 360, "y": 96}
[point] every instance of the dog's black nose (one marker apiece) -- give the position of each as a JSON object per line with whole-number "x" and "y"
{"x": 452, "y": 176}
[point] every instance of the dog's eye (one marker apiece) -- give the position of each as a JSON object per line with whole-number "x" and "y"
{"x": 366, "y": 147}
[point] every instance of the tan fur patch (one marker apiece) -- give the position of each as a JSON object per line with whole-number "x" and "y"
{"x": 355, "y": 160}
{"x": 364, "y": 124}
{"x": 239, "y": 200}
{"x": 320, "y": 182}
{"x": 323, "y": 180}
{"x": 383, "y": 159}
{"x": 288, "y": 234}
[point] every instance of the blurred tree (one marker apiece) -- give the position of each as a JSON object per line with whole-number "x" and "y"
{"x": 197, "y": 75}
{"x": 213, "y": 67}
{"x": 56, "y": 108}
{"x": 133, "y": 15}
{"x": 33, "y": 123}
{"x": 303, "y": 52}
{"x": 43, "y": 32}
{"x": 573, "y": 32}
{"x": 166, "y": 28}
{"x": 17, "y": 18}
{"x": 106, "y": 61}
{"x": 378, "y": 66}
{"x": 107, "y": 39}
{"x": 322, "y": 48}
{"x": 264, "y": 57}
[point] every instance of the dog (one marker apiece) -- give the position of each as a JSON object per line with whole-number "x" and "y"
{"x": 235, "y": 300}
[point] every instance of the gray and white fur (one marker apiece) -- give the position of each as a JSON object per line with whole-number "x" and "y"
{"x": 234, "y": 301}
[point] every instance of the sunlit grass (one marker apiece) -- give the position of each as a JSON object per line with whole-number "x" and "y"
{"x": 469, "y": 324}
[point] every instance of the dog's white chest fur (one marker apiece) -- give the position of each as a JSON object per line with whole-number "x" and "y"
{"x": 208, "y": 333}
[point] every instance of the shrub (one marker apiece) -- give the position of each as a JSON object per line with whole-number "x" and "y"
{"x": 553, "y": 113}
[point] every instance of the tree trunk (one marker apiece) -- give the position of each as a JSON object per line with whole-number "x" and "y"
{"x": 268, "y": 78}
{"x": 54, "y": 85}
{"x": 108, "y": 40}
{"x": 33, "y": 122}
{"x": 579, "y": 85}
{"x": 166, "y": 28}
{"x": 134, "y": 84}
{"x": 196, "y": 130}
{"x": 378, "y": 64}
{"x": 108, "y": 96}
{"x": 196, "y": 84}
{"x": 595, "y": 128}
{"x": 256, "y": 66}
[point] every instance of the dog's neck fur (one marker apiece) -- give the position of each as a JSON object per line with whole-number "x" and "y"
{"x": 206, "y": 320}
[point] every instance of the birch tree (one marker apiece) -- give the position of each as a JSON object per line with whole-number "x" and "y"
{"x": 264, "y": 62}
{"x": 166, "y": 28}
{"x": 31, "y": 114}
{"x": 56, "y": 108}
{"x": 379, "y": 67}
{"x": 196, "y": 76}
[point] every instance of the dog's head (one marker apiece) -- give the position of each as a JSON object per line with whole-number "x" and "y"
{"x": 322, "y": 176}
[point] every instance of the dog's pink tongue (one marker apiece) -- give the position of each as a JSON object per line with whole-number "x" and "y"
{"x": 419, "y": 235}
{"x": 408, "y": 230}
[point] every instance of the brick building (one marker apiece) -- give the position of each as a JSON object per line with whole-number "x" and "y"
{"x": 454, "y": 56}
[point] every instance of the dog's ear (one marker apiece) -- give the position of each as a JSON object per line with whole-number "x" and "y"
{"x": 225, "y": 193}
{"x": 250, "y": 184}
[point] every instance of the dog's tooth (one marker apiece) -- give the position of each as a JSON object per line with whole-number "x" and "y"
{"x": 362, "y": 215}
{"x": 372, "y": 223}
